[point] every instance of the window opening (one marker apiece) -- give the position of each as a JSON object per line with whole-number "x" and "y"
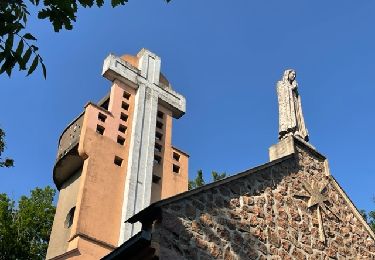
{"x": 158, "y": 136}
{"x": 160, "y": 114}
{"x": 118, "y": 161}
{"x": 69, "y": 218}
{"x": 124, "y": 117}
{"x": 126, "y": 95}
{"x": 102, "y": 117}
{"x": 100, "y": 129}
{"x": 159, "y": 125}
{"x": 158, "y": 147}
{"x": 122, "y": 128}
{"x": 157, "y": 159}
{"x": 120, "y": 140}
{"x": 176, "y": 169}
{"x": 125, "y": 105}
{"x": 155, "y": 178}
{"x": 176, "y": 156}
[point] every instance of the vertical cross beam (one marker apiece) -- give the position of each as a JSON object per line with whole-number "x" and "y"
{"x": 137, "y": 191}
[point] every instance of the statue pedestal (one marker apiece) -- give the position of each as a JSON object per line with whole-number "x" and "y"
{"x": 286, "y": 147}
{"x": 282, "y": 148}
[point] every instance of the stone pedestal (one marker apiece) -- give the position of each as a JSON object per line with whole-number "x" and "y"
{"x": 282, "y": 148}
{"x": 286, "y": 147}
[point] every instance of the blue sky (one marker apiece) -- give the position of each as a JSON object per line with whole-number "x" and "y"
{"x": 225, "y": 57}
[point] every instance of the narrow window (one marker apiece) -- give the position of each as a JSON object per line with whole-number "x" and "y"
{"x": 120, "y": 140}
{"x": 126, "y": 95}
{"x": 125, "y": 105}
{"x": 124, "y": 117}
{"x": 157, "y": 159}
{"x": 158, "y": 136}
{"x": 176, "y": 169}
{"x": 158, "y": 147}
{"x": 155, "y": 178}
{"x": 176, "y": 156}
{"x": 159, "y": 125}
{"x": 118, "y": 161}
{"x": 122, "y": 128}
{"x": 69, "y": 218}
{"x": 160, "y": 114}
{"x": 102, "y": 117}
{"x": 100, "y": 129}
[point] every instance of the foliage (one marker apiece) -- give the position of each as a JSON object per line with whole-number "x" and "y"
{"x": 199, "y": 180}
{"x": 25, "y": 230}
{"x": 7, "y": 162}
{"x": 369, "y": 217}
{"x": 371, "y": 220}
{"x": 218, "y": 176}
{"x": 17, "y": 46}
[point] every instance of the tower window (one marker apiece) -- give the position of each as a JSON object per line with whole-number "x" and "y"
{"x": 160, "y": 114}
{"x": 155, "y": 178}
{"x": 159, "y": 125}
{"x": 176, "y": 156}
{"x": 100, "y": 129}
{"x": 124, "y": 117}
{"x": 158, "y": 147}
{"x": 102, "y": 117}
{"x": 125, "y": 105}
{"x": 120, "y": 140}
{"x": 126, "y": 95}
{"x": 69, "y": 218}
{"x": 122, "y": 128}
{"x": 118, "y": 161}
{"x": 158, "y": 136}
{"x": 157, "y": 159}
{"x": 176, "y": 169}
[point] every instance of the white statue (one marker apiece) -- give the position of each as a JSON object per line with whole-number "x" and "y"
{"x": 290, "y": 110}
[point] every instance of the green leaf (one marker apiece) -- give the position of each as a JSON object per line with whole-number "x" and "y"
{"x": 26, "y": 58}
{"x": 19, "y": 49}
{"x": 9, "y": 42}
{"x": 29, "y": 36}
{"x": 33, "y": 65}
{"x": 44, "y": 70}
{"x": 34, "y": 48}
{"x": 86, "y": 3}
{"x": 118, "y": 2}
{"x": 9, "y": 162}
{"x": 8, "y": 69}
{"x": 99, "y": 3}
{"x": 3, "y": 67}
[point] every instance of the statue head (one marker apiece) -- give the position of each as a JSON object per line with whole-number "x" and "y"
{"x": 289, "y": 77}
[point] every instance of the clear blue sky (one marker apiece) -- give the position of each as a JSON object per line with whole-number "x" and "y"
{"x": 225, "y": 57}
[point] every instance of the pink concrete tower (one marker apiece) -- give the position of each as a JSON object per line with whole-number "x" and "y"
{"x": 116, "y": 158}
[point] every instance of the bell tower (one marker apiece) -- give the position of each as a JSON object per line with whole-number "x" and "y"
{"x": 116, "y": 158}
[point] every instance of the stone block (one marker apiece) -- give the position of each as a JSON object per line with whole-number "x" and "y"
{"x": 283, "y": 148}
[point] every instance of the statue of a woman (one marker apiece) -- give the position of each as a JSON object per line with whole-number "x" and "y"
{"x": 290, "y": 110}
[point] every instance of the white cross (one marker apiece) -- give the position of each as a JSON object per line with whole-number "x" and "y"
{"x": 145, "y": 80}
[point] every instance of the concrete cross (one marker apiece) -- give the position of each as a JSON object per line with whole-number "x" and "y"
{"x": 318, "y": 199}
{"x": 149, "y": 92}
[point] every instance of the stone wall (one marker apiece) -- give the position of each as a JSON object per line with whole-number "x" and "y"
{"x": 265, "y": 215}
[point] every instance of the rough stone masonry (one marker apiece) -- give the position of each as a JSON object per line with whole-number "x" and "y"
{"x": 262, "y": 213}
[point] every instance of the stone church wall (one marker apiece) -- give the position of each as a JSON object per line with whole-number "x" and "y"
{"x": 265, "y": 214}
